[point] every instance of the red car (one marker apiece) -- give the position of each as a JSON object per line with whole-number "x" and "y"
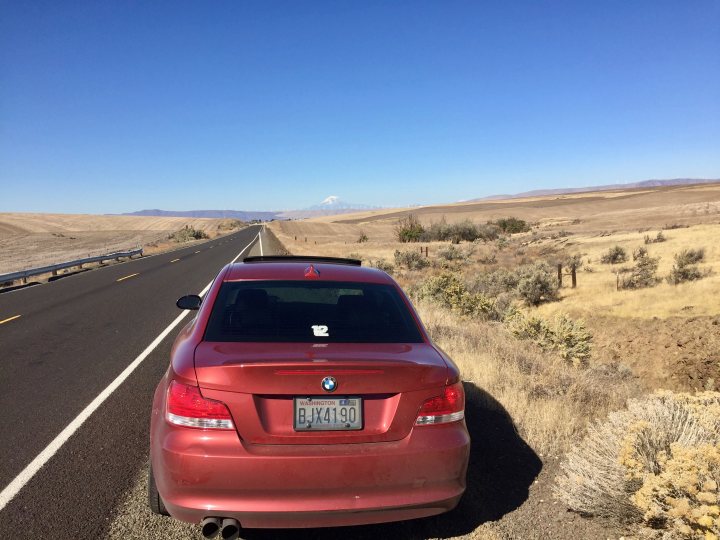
{"x": 305, "y": 393}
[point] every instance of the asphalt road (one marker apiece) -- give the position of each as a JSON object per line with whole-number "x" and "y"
{"x": 72, "y": 338}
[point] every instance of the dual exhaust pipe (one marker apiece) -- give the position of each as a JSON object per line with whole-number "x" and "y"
{"x": 228, "y": 528}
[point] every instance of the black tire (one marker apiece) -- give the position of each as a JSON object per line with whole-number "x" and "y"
{"x": 155, "y": 501}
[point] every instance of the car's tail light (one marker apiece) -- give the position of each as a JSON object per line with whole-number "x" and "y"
{"x": 449, "y": 407}
{"x": 187, "y": 407}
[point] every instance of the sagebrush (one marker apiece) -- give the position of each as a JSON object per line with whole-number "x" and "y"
{"x": 449, "y": 291}
{"x": 630, "y": 466}
{"x": 410, "y": 259}
{"x": 566, "y": 337}
{"x": 685, "y": 268}
{"x": 614, "y": 255}
{"x": 188, "y": 233}
{"x": 643, "y": 274}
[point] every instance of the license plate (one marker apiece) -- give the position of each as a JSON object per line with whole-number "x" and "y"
{"x": 327, "y": 414}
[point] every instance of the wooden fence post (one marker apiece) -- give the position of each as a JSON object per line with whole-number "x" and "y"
{"x": 559, "y": 275}
{"x": 573, "y": 275}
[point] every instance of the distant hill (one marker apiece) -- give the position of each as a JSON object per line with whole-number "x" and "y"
{"x": 242, "y": 215}
{"x": 329, "y": 206}
{"x": 607, "y": 187}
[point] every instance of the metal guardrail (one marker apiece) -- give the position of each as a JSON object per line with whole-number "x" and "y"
{"x": 24, "y": 274}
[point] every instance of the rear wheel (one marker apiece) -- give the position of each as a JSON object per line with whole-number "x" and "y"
{"x": 154, "y": 499}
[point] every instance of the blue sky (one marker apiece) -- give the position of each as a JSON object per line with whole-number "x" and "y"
{"x": 117, "y": 106}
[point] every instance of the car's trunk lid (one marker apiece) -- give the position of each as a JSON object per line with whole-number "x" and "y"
{"x": 258, "y": 382}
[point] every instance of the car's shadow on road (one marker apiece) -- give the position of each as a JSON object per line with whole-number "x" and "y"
{"x": 502, "y": 468}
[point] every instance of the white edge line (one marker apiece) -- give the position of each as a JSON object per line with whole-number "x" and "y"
{"x": 14, "y": 487}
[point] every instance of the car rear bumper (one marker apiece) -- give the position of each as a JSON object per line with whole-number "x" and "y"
{"x": 211, "y": 473}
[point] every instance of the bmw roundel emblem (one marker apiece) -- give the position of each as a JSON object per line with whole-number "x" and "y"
{"x": 329, "y": 384}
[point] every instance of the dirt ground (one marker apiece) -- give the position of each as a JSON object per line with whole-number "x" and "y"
{"x": 676, "y": 353}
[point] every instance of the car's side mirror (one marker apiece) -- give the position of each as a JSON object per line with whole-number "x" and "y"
{"x": 190, "y": 301}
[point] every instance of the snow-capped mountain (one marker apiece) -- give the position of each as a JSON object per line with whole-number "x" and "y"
{"x": 334, "y": 203}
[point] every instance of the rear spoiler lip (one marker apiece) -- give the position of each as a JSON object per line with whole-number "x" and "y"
{"x": 301, "y": 258}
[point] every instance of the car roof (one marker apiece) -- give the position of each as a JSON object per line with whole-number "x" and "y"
{"x": 295, "y": 271}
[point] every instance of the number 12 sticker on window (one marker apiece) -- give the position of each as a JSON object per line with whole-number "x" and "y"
{"x": 320, "y": 330}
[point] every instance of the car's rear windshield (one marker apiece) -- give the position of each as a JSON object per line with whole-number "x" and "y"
{"x": 311, "y": 312}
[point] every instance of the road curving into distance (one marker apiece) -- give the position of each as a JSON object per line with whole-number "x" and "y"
{"x": 67, "y": 456}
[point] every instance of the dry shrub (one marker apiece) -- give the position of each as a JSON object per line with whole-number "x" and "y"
{"x": 411, "y": 259}
{"x": 690, "y": 256}
{"x": 230, "y": 224}
{"x": 533, "y": 283}
{"x": 684, "y": 268}
{"x": 496, "y": 282}
{"x": 409, "y": 229}
{"x": 382, "y": 264}
{"x": 644, "y": 273}
{"x": 448, "y": 290}
{"x": 639, "y": 253}
{"x": 625, "y": 467}
{"x": 451, "y": 253}
{"x": 659, "y": 238}
{"x": 568, "y": 338}
{"x": 465, "y": 230}
{"x": 683, "y": 497}
{"x": 512, "y": 225}
{"x": 488, "y": 259}
{"x": 538, "y": 285}
{"x": 187, "y": 234}
{"x": 614, "y": 255}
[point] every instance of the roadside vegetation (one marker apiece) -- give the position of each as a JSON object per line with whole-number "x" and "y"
{"x": 654, "y": 464}
{"x": 187, "y": 234}
{"x": 409, "y": 229}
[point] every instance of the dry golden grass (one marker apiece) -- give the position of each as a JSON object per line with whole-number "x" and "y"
{"x": 549, "y": 400}
{"x": 597, "y": 292}
{"x": 18, "y": 223}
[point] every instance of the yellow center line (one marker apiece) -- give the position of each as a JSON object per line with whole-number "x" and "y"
{"x": 126, "y": 277}
{"x": 174, "y": 260}
{"x": 10, "y": 319}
